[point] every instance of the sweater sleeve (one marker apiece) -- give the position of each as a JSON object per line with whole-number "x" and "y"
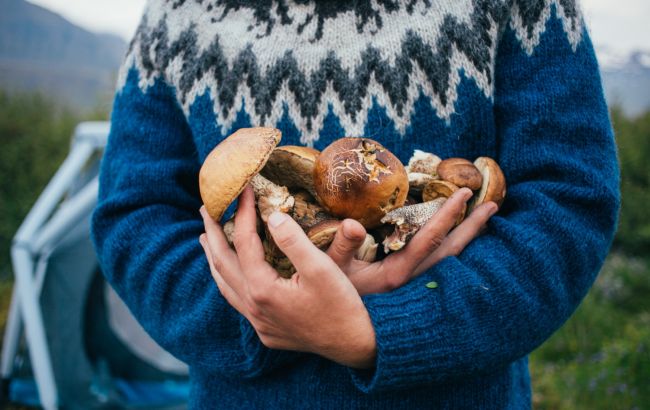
{"x": 511, "y": 288}
{"x": 146, "y": 228}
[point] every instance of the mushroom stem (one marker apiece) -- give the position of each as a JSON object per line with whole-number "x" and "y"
{"x": 306, "y": 211}
{"x": 368, "y": 250}
{"x": 408, "y": 220}
{"x": 271, "y": 197}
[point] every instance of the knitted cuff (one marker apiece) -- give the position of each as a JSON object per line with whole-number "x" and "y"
{"x": 407, "y": 342}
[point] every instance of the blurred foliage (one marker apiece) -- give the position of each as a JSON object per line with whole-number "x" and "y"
{"x": 35, "y": 136}
{"x": 633, "y": 140}
{"x": 600, "y": 359}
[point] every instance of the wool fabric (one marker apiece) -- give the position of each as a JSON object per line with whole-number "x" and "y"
{"x": 515, "y": 80}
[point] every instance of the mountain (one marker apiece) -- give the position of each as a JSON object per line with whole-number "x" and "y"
{"x": 40, "y": 50}
{"x": 626, "y": 79}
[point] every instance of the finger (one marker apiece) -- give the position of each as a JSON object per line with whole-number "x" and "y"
{"x": 226, "y": 291}
{"x": 432, "y": 234}
{"x": 221, "y": 254}
{"x": 247, "y": 241}
{"x": 347, "y": 241}
{"x": 460, "y": 237}
{"x": 294, "y": 243}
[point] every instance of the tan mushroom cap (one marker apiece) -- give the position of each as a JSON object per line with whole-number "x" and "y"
{"x": 494, "y": 182}
{"x": 231, "y": 165}
{"x": 292, "y": 166}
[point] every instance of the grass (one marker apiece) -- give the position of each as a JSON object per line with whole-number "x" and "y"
{"x": 600, "y": 359}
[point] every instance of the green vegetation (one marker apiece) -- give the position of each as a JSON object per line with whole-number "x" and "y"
{"x": 600, "y": 359}
{"x": 35, "y": 138}
{"x": 633, "y": 139}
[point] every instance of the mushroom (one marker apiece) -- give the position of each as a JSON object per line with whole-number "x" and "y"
{"x": 423, "y": 163}
{"x": 358, "y": 178}
{"x": 418, "y": 181}
{"x": 306, "y": 210}
{"x": 274, "y": 256}
{"x": 442, "y": 189}
{"x": 493, "y": 187}
{"x": 438, "y": 189}
{"x": 235, "y": 162}
{"x": 408, "y": 220}
{"x": 292, "y": 166}
{"x": 460, "y": 172}
{"x": 322, "y": 235}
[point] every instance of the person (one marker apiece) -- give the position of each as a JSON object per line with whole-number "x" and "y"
{"x": 517, "y": 81}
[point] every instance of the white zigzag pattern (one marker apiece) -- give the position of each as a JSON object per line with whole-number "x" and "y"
{"x": 375, "y": 92}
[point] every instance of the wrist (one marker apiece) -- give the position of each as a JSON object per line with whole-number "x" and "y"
{"x": 360, "y": 351}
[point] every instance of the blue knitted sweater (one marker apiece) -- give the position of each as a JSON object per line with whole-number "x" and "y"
{"x": 516, "y": 80}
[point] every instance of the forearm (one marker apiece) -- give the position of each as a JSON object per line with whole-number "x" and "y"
{"x": 513, "y": 287}
{"x": 146, "y": 229}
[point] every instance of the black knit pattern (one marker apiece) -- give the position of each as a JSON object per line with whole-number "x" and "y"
{"x": 531, "y": 13}
{"x": 351, "y": 87}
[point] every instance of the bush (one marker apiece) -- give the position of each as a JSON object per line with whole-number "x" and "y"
{"x": 600, "y": 359}
{"x": 633, "y": 140}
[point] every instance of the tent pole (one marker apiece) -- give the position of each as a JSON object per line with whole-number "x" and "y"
{"x": 68, "y": 214}
{"x": 11, "y": 337}
{"x": 34, "y": 329}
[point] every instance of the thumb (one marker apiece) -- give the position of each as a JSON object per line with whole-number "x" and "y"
{"x": 293, "y": 242}
{"x": 347, "y": 241}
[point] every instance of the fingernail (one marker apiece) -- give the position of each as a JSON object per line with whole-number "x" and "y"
{"x": 202, "y": 210}
{"x": 465, "y": 193}
{"x": 493, "y": 208}
{"x": 277, "y": 218}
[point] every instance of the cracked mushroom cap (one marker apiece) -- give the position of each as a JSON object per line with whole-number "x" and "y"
{"x": 232, "y": 164}
{"x": 358, "y": 178}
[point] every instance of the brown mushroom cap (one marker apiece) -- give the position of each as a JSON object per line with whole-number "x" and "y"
{"x": 232, "y": 164}
{"x": 494, "y": 182}
{"x": 292, "y": 166}
{"x": 460, "y": 172}
{"x": 358, "y": 178}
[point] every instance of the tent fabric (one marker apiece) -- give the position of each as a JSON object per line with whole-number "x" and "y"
{"x": 100, "y": 356}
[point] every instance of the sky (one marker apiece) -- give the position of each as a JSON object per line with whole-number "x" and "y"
{"x": 617, "y": 26}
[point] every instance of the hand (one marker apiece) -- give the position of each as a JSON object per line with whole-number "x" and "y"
{"x": 430, "y": 245}
{"x": 318, "y": 310}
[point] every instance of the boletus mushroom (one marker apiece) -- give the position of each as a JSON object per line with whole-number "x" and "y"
{"x": 460, "y": 172}
{"x": 358, "y": 178}
{"x": 292, "y": 166}
{"x": 408, "y": 220}
{"x": 237, "y": 161}
{"x": 322, "y": 234}
{"x": 493, "y": 187}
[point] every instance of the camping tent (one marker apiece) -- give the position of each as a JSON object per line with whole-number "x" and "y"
{"x": 81, "y": 346}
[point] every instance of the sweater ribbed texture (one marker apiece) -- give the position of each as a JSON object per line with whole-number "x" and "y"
{"x": 515, "y": 80}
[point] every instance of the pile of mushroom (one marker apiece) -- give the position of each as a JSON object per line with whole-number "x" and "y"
{"x": 352, "y": 178}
